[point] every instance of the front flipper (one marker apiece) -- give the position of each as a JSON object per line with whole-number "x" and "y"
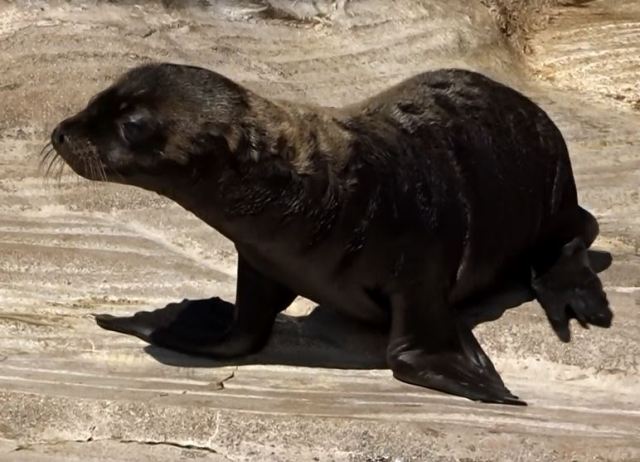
{"x": 429, "y": 348}
{"x": 190, "y": 325}
{"x": 212, "y": 327}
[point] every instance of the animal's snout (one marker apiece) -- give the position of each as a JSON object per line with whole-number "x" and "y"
{"x": 66, "y": 132}
{"x": 58, "y": 136}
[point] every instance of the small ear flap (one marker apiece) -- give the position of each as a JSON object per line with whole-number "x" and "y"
{"x": 253, "y": 154}
{"x": 254, "y": 144}
{"x": 240, "y": 146}
{"x": 233, "y": 136}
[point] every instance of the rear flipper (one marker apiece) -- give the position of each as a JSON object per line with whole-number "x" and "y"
{"x": 430, "y": 348}
{"x": 512, "y": 293}
{"x": 570, "y": 288}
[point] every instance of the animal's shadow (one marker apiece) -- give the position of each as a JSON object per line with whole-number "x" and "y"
{"x": 324, "y": 338}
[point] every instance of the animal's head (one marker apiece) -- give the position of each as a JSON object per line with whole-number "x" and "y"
{"x": 156, "y": 122}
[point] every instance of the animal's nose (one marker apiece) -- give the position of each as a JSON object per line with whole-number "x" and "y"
{"x": 58, "y": 137}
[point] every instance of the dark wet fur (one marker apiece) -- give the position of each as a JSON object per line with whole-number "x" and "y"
{"x": 409, "y": 210}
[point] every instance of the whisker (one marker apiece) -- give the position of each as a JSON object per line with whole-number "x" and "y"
{"x": 38, "y": 154}
{"x": 43, "y": 155}
{"x": 85, "y": 163}
{"x": 63, "y": 164}
{"x": 48, "y": 169}
{"x": 46, "y": 150}
{"x": 46, "y": 157}
{"x": 103, "y": 173}
{"x": 90, "y": 165}
{"x": 43, "y": 160}
{"x": 92, "y": 172}
{"x": 54, "y": 169}
{"x": 46, "y": 147}
{"x": 100, "y": 173}
{"x": 51, "y": 163}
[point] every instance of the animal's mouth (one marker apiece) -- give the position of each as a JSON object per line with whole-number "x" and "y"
{"x": 86, "y": 164}
{"x": 78, "y": 154}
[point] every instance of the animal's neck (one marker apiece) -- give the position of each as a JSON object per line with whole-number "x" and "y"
{"x": 301, "y": 136}
{"x": 284, "y": 160}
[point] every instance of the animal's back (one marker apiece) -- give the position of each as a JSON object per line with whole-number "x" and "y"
{"x": 496, "y": 151}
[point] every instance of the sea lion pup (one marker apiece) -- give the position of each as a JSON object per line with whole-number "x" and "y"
{"x": 400, "y": 210}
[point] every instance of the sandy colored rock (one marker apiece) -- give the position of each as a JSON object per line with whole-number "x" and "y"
{"x": 70, "y": 391}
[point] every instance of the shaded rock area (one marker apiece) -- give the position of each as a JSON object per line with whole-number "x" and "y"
{"x": 69, "y": 248}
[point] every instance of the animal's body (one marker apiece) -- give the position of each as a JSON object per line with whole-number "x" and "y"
{"x": 399, "y": 211}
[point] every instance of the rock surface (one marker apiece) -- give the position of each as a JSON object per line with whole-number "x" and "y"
{"x": 70, "y": 391}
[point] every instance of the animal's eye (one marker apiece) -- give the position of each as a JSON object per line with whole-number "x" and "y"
{"x": 134, "y": 132}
